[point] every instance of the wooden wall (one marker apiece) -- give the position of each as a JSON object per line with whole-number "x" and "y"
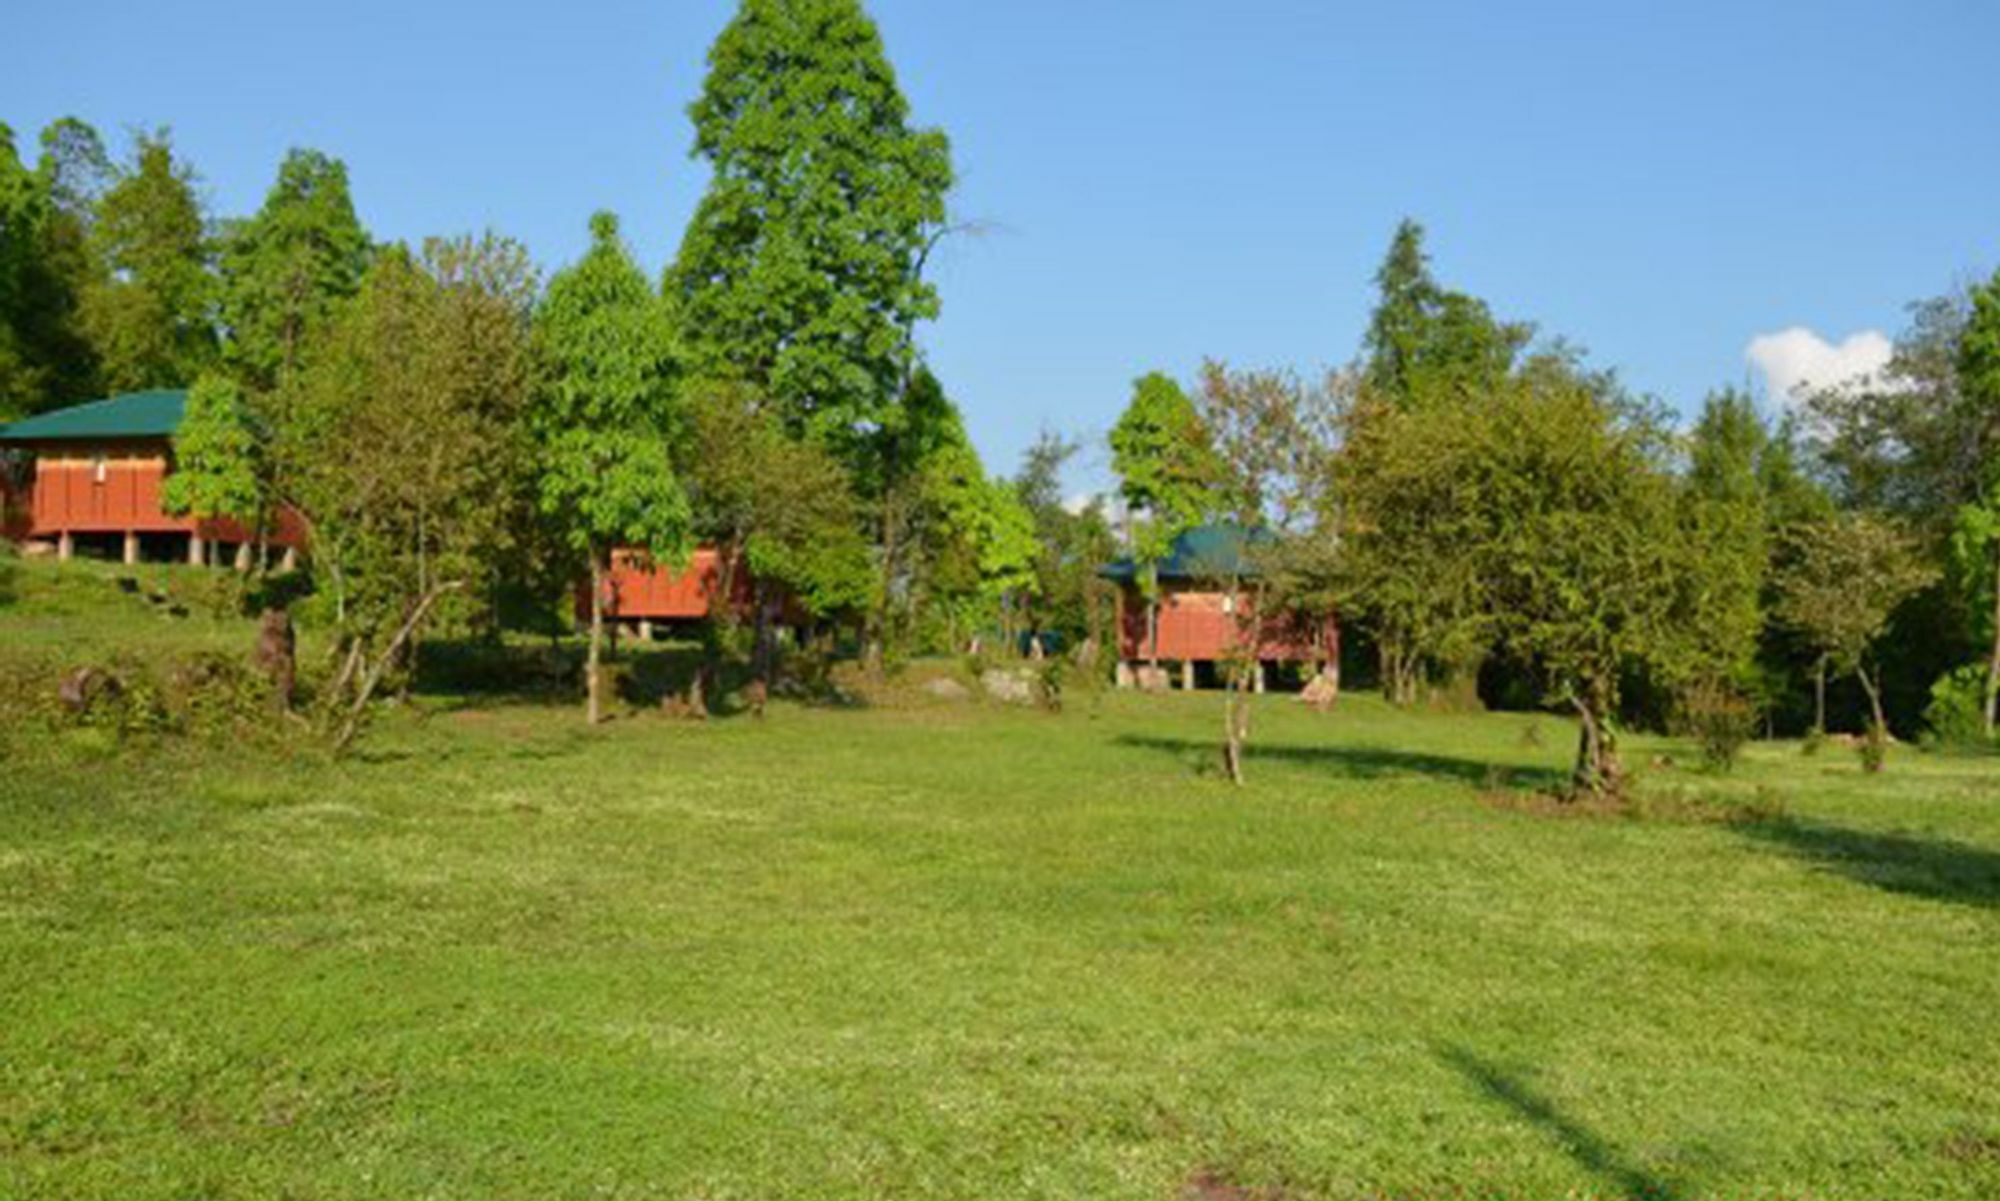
{"x": 1198, "y": 624}
{"x": 114, "y": 487}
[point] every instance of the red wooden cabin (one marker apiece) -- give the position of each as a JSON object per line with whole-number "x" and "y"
{"x": 1199, "y": 620}
{"x": 638, "y": 591}
{"x": 91, "y": 474}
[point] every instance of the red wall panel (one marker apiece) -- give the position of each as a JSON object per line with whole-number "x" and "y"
{"x": 1198, "y": 625}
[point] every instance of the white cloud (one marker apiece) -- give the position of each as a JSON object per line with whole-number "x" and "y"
{"x": 1797, "y": 360}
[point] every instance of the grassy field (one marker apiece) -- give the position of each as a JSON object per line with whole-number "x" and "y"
{"x": 928, "y": 950}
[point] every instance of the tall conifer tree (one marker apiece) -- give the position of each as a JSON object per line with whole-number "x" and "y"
{"x": 801, "y": 271}
{"x": 285, "y": 269}
{"x": 604, "y": 420}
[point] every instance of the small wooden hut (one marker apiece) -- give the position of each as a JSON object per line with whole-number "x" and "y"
{"x": 88, "y": 477}
{"x": 1206, "y": 596}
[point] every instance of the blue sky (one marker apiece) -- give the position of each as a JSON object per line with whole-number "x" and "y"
{"x": 1171, "y": 179}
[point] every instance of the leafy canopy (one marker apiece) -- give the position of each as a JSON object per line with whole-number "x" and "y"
{"x": 150, "y": 314}
{"x": 1423, "y": 338}
{"x": 801, "y": 270}
{"x": 285, "y": 270}
{"x": 604, "y": 419}
{"x": 1846, "y": 577}
{"x": 1166, "y": 464}
{"x": 216, "y": 455}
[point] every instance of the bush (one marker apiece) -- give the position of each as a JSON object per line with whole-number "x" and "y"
{"x": 1815, "y": 739}
{"x": 205, "y": 695}
{"x": 1956, "y": 716}
{"x": 212, "y": 695}
{"x": 1720, "y": 720}
{"x": 1049, "y": 682}
{"x": 1873, "y": 748}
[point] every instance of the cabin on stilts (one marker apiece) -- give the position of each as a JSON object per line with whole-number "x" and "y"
{"x": 86, "y": 480}
{"x": 1200, "y": 611}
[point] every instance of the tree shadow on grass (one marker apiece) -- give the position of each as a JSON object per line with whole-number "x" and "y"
{"x": 1937, "y": 869}
{"x": 1363, "y": 762}
{"x": 1588, "y": 1148}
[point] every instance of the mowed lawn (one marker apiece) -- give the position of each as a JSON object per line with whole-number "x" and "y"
{"x": 945, "y": 951}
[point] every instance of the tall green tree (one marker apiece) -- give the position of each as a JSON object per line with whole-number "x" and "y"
{"x": 284, "y": 270}
{"x": 783, "y": 507}
{"x": 409, "y": 452}
{"x": 1726, "y": 511}
{"x": 1424, "y": 339}
{"x": 1168, "y": 470}
{"x": 1074, "y": 541}
{"x": 1976, "y": 533}
{"x": 893, "y": 476}
{"x": 801, "y": 271}
{"x": 216, "y": 457}
{"x": 1428, "y": 345}
{"x": 1412, "y": 520}
{"x": 976, "y": 539}
{"x": 1919, "y": 441}
{"x": 23, "y": 209}
{"x": 1843, "y": 583}
{"x": 605, "y": 421}
{"x": 152, "y": 316}
{"x": 1585, "y": 555}
{"x": 47, "y": 264}
{"x": 1271, "y": 435}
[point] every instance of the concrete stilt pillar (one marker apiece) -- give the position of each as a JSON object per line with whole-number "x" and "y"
{"x": 65, "y": 546}
{"x": 244, "y": 552}
{"x": 1187, "y": 675}
{"x": 291, "y": 560}
{"x": 131, "y": 548}
{"x": 645, "y": 629}
{"x": 196, "y": 551}
{"x": 1257, "y": 677}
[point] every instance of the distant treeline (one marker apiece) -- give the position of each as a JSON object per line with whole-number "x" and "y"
{"x": 1489, "y": 516}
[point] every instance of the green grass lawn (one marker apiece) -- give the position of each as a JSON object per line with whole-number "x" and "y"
{"x": 937, "y": 951}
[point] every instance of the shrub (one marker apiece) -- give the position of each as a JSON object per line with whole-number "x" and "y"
{"x": 1956, "y": 716}
{"x": 214, "y": 695}
{"x": 1049, "y": 682}
{"x": 1873, "y": 747}
{"x": 8, "y": 571}
{"x": 1814, "y": 740}
{"x": 1720, "y": 720}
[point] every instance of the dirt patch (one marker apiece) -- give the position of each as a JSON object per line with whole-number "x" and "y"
{"x": 1208, "y": 1185}
{"x": 1536, "y": 803}
{"x": 1670, "y": 806}
{"x": 1971, "y": 1147}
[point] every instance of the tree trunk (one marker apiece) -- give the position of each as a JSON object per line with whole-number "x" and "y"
{"x": 1819, "y": 696}
{"x": 1153, "y": 630}
{"x": 1332, "y": 668}
{"x": 1236, "y": 699}
{"x": 1598, "y": 773}
{"x": 352, "y": 725}
{"x": 761, "y": 652}
{"x": 1874, "y": 692}
{"x": 874, "y": 652}
{"x": 1399, "y": 674}
{"x": 593, "y": 683}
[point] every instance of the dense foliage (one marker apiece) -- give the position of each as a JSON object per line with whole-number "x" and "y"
{"x": 1490, "y": 518}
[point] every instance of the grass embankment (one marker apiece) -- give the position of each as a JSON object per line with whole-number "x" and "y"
{"x": 944, "y": 951}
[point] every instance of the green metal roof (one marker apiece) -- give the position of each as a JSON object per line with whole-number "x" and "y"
{"x": 1206, "y": 552}
{"x": 154, "y": 414}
